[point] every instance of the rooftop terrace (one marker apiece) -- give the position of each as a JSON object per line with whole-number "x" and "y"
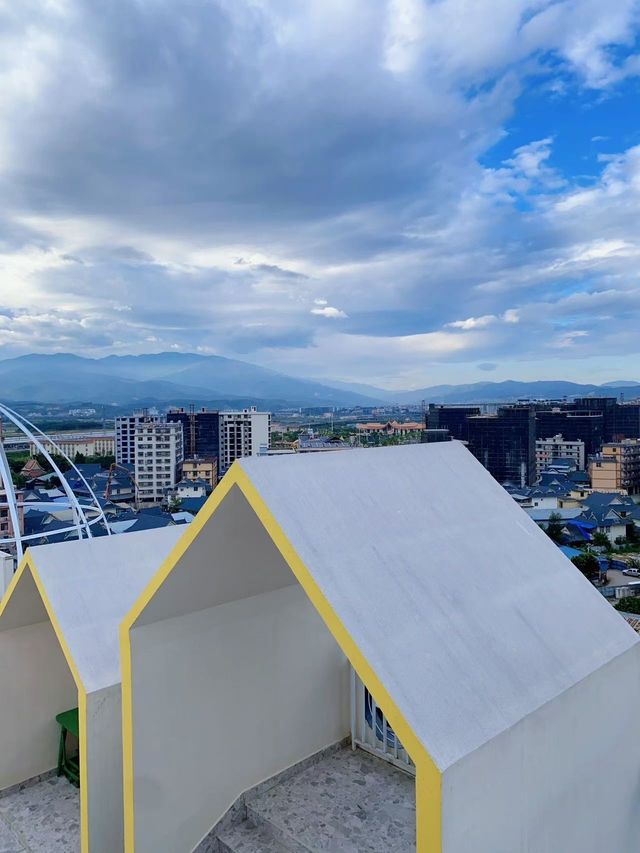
{"x": 41, "y": 818}
{"x": 347, "y": 802}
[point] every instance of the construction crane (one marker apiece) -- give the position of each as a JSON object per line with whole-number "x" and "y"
{"x": 113, "y": 467}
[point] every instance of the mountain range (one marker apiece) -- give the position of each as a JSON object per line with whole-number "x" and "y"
{"x": 180, "y": 378}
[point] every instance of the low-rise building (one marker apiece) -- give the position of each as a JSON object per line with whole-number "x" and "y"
{"x": 549, "y": 450}
{"x": 390, "y": 428}
{"x": 191, "y": 489}
{"x": 201, "y": 468}
{"x": 311, "y": 443}
{"x": 617, "y": 467}
{"x": 6, "y": 525}
{"x": 85, "y": 444}
{"x": 32, "y": 470}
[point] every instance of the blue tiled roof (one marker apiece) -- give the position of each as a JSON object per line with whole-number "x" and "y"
{"x": 193, "y": 505}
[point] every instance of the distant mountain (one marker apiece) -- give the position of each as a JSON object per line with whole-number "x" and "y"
{"x": 162, "y": 378}
{"x": 380, "y": 394}
{"x": 510, "y": 390}
{"x": 181, "y": 378}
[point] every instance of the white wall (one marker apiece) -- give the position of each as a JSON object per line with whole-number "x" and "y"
{"x": 104, "y": 770}
{"x": 564, "y": 780}
{"x": 6, "y": 572}
{"x": 36, "y": 684}
{"x": 224, "y": 698}
{"x": 614, "y": 532}
{"x": 548, "y": 502}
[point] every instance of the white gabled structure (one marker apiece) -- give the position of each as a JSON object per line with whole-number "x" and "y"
{"x": 510, "y": 681}
{"x": 59, "y": 649}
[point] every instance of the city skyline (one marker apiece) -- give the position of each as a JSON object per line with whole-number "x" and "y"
{"x": 400, "y": 193}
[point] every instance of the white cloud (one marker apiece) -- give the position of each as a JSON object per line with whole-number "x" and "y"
{"x": 473, "y": 322}
{"x": 568, "y": 339}
{"x": 265, "y": 152}
{"x": 330, "y": 312}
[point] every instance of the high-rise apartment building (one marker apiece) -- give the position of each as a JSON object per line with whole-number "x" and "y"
{"x": 617, "y": 467}
{"x": 243, "y": 433}
{"x": 158, "y": 456}
{"x": 126, "y": 427}
{"x": 558, "y": 447}
{"x": 200, "y": 430}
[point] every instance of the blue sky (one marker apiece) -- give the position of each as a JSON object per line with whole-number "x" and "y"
{"x": 399, "y": 192}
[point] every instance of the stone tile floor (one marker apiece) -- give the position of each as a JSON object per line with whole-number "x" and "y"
{"x": 348, "y": 802}
{"x": 41, "y": 818}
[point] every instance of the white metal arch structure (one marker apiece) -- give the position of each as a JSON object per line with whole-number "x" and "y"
{"x": 85, "y": 515}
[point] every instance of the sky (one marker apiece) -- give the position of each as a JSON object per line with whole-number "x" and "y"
{"x": 395, "y": 192}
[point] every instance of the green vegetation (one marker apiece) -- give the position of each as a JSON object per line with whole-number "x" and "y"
{"x": 554, "y": 527}
{"x": 628, "y": 605}
{"x": 103, "y": 461}
{"x": 18, "y": 458}
{"x": 174, "y": 503}
{"x": 67, "y": 425}
{"x": 601, "y": 540}
{"x": 588, "y": 565}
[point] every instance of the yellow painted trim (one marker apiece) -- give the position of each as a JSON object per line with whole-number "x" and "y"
{"x": 428, "y": 776}
{"x": 147, "y": 594}
{"x": 15, "y": 580}
{"x": 28, "y": 564}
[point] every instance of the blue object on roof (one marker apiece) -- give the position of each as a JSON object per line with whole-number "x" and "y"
{"x": 570, "y": 552}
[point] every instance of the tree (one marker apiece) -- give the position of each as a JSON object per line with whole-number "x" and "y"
{"x": 554, "y": 527}
{"x": 628, "y": 605}
{"x": 601, "y": 540}
{"x": 588, "y": 565}
{"x": 174, "y": 503}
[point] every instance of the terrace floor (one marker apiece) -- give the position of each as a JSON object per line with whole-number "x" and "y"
{"x": 41, "y": 818}
{"x": 348, "y": 802}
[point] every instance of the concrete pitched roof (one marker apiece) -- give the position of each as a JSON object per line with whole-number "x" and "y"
{"x": 90, "y": 584}
{"x": 443, "y": 583}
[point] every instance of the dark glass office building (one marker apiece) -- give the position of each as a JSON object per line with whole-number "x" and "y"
{"x": 453, "y": 418}
{"x": 574, "y": 425}
{"x": 620, "y": 420}
{"x": 200, "y": 429}
{"x": 505, "y": 443}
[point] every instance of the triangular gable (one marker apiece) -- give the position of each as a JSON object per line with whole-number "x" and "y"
{"x": 419, "y": 593}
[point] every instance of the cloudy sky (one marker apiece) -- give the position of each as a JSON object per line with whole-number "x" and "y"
{"x": 402, "y": 192}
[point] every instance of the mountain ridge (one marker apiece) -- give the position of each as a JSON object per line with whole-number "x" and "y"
{"x": 165, "y": 377}
{"x": 175, "y": 377}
